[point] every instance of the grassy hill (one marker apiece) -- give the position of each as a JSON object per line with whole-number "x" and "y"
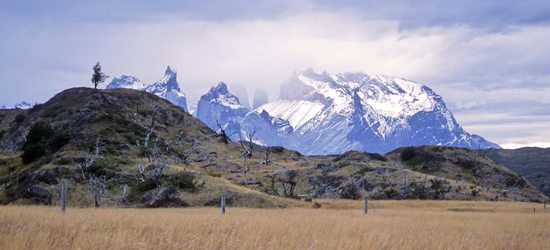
{"x": 129, "y": 148}
{"x": 532, "y": 163}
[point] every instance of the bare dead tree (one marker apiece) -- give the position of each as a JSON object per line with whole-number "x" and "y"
{"x": 63, "y": 195}
{"x": 273, "y": 189}
{"x": 147, "y": 138}
{"x": 123, "y": 197}
{"x": 350, "y": 190}
{"x": 158, "y": 171}
{"x": 251, "y": 135}
{"x": 141, "y": 170}
{"x": 288, "y": 181}
{"x": 266, "y": 156}
{"x": 97, "y": 186}
{"x": 225, "y": 138}
{"x": 248, "y": 150}
{"x": 153, "y": 150}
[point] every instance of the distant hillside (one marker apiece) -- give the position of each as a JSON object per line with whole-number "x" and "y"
{"x": 124, "y": 147}
{"x": 532, "y": 163}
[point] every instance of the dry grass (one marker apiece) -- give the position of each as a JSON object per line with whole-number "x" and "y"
{"x": 389, "y": 225}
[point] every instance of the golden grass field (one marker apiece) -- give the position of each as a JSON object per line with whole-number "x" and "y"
{"x": 337, "y": 225}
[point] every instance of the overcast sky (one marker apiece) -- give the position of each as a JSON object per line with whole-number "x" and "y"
{"x": 490, "y": 60}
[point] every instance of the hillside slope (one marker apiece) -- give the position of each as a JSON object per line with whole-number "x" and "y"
{"x": 124, "y": 147}
{"x": 532, "y": 163}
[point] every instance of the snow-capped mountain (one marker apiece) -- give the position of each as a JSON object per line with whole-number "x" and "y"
{"x": 330, "y": 114}
{"x": 23, "y": 105}
{"x": 220, "y": 106}
{"x": 127, "y": 82}
{"x": 19, "y": 105}
{"x": 167, "y": 87}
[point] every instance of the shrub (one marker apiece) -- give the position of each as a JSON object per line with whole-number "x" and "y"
{"x": 105, "y": 167}
{"x": 350, "y": 191}
{"x": 428, "y": 156}
{"x": 466, "y": 163}
{"x": 316, "y": 205}
{"x": 19, "y": 118}
{"x": 32, "y": 152}
{"x": 35, "y": 108}
{"x": 378, "y": 157}
{"x": 59, "y": 140}
{"x": 439, "y": 188}
{"x": 142, "y": 187}
{"x": 407, "y": 154}
{"x": 184, "y": 181}
{"x": 391, "y": 193}
{"x": 41, "y": 140}
{"x": 39, "y": 131}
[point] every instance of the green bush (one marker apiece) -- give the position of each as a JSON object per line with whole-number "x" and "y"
{"x": 407, "y": 154}
{"x": 145, "y": 186}
{"x": 184, "y": 181}
{"x": 19, "y": 118}
{"x": 350, "y": 191}
{"x": 377, "y": 157}
{"x": 42, "y": 140}
{"x": 104, "y": 166}
{"x": 58, "y": 141}
{"x": 39, "y": 131}
{"x": 466, "y": 163}
{"x": 35, "y": 108}
{"x": 32, "y": 152}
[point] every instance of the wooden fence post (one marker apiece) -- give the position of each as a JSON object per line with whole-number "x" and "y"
{"x": 63, "y": 195}
{"x": 222, "y": 205}
{"x": 545, "y": 204}
{"x": 366, "y": 208}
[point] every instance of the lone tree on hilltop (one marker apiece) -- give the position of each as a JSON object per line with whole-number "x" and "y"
{"x": 98, "y": 76}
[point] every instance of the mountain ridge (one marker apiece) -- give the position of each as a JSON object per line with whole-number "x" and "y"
{"x": 148, "y": 152}
{"x": 331, "y": 114}
{"x": 167, "y": 87}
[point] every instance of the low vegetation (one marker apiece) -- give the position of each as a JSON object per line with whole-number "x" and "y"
{"x": 335, "y": 225}
{"x": 42, "y": 140}
{"x": 127, "y": 148}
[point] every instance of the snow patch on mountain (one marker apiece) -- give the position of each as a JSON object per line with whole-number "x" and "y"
{"x": 320, "y": 113}
{"x": 220, "y": 106}
{"x": 19, "y": 105}
{"x": 297, "y": 113}
{"x": 167, "y": 87}
{"x": 127, "y": 82}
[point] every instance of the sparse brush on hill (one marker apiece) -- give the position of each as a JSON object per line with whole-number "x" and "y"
{"x": 154, "y": 154}
{"x": 42, "y": 140}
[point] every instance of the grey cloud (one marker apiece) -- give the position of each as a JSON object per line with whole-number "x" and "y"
{"x": 493, "y": 15}
{"x": 483, "y": 57}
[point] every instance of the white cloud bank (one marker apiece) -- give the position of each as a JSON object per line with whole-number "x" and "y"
{"x": 483, "y": 76}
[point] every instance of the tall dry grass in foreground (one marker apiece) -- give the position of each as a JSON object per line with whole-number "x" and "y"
{"x": 389, "y": 225}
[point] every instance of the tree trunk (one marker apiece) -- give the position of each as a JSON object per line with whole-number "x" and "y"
{"x": 97, "y": 199}
{"x": 366, "y": 208}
